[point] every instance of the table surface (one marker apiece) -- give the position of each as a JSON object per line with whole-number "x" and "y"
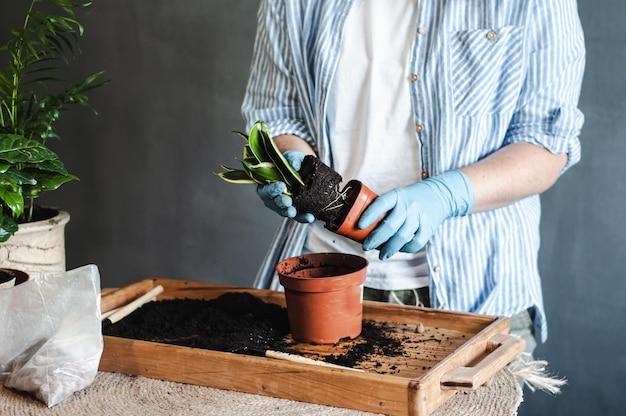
{"x": 119, "y": 394}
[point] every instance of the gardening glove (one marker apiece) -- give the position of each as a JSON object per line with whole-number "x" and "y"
{"x": 274, "y": 198}
{"x": 415, "y": 212}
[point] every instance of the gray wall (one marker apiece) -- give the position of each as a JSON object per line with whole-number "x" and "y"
{"x": 584, "y": 236}
{"x": 148, "y": 203}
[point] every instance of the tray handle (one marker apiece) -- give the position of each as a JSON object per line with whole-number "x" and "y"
{"x": 501, "y": 350}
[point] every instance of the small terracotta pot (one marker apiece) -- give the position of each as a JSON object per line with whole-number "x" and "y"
{"x": 324, "y": 296}
{"x": 359, "y": 198}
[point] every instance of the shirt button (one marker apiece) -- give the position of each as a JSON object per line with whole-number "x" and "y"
{"x": 422, "y": 30}
{"x": 414, "y": 77}
{"x": 419, "y": 128}
{"x": 491, "y": 35}
{"x": 437, "y": 268}
{"x": 425, "y": 176}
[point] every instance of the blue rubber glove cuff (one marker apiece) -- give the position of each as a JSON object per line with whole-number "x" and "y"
{"x": 415, "y": 212}
{"x": 273, "y": 195}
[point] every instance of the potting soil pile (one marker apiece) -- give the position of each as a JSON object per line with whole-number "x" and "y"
{"x": 234, "y": 322}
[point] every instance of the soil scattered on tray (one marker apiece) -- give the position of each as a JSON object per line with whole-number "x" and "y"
{"x": 241, "y": 323}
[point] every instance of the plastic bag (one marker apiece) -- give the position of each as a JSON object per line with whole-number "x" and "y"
{"x": 51, "y": 334}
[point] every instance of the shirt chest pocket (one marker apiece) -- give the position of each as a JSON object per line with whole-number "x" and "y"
{"x": 486, "y": 70}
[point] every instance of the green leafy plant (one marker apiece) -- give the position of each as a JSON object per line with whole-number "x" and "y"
{"x": 262, "y": 162}
{"x": 32, "y": 99}
{"x": 315, "y": 188}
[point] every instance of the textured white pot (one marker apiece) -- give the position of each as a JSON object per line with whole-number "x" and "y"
{"x": 37, "y": 246}
{"x": 8, "y": 284}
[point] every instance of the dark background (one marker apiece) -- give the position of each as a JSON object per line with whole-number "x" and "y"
{"x": 148, "y": 203}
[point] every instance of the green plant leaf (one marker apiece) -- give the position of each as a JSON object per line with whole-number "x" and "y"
{"x": 247, "y": 153}
{"x": 12, "y": 199}
{"x": 255, "y": 140}
{"x": 262, "y": 161}
{"x": 226, "y": 168}
{"x": 264, "y": 172}
{"x": 15, "y": 178}
{"x": 290, "y": 176}
{"x": 8, "y": 227}
{"x": 242, "y": 135}
{"x": 53, "y": 165}
{"x": 17, "y": 149}
{"x": 45, "y": 181}
{"x": 235, "y": 176}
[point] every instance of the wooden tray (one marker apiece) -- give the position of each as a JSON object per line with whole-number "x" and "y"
{"x": 456, "y": 351}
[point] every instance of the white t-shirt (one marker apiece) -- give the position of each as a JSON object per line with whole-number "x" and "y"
{"x": 371, "y": 127}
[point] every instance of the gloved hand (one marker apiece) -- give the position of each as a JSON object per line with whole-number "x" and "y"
{"x": 274, "y": 198}
{"x": 415, "y": 212}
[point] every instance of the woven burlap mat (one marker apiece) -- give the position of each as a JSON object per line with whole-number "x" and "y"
{"x": 119, "y": 394}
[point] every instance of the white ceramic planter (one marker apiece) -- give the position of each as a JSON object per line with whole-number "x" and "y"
{"x": 7, "y": 284}
{"x": 37, "y": 246}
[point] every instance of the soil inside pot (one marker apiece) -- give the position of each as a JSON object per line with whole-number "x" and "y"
{"x": 238, "y": 322}
{"x": 332, "y": 264}
{"x": 321, "y": 194}
{"x": 39, "y": 214}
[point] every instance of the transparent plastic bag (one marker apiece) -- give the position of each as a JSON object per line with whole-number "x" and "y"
{"x": 51, "y": 334}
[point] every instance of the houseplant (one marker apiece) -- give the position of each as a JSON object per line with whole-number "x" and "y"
{"x": 315, "y": 188}
{"x": 33, "y": 97}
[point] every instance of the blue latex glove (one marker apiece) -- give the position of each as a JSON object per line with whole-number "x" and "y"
{"x": 415, "y": 212}
{"x": 274, "y": 198}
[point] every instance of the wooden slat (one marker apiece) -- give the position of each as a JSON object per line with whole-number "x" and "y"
{"x": 115, "y": 298}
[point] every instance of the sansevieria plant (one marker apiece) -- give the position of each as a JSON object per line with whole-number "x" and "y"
{"x": 314, "y": 189}
{"x": 262, "y": 162}
{"x": 33, "y": 98}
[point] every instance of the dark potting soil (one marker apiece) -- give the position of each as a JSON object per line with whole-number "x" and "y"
{"x": 237, "y": 322}
{"x": 39, "y": 214}
{"x": 321, "y": 194}
{"x": 234, "y": 322}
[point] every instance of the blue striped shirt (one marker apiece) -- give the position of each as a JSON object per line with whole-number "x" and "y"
{"x": 491, "y": 73}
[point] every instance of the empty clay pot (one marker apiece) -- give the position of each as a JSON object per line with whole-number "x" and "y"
{"x": 324, "y": 296}
{"x": 359, "y": 198}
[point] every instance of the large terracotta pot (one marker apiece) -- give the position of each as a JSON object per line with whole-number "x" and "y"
{"x": 324, "y": 296}
{"x": 37, "y": 246}
{"x": 359, "y": 198}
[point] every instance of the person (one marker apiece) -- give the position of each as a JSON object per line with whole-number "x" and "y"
{"x": 458, "y": 114}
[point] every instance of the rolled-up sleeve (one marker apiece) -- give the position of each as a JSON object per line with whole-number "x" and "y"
{"x": 547, "y": 114}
